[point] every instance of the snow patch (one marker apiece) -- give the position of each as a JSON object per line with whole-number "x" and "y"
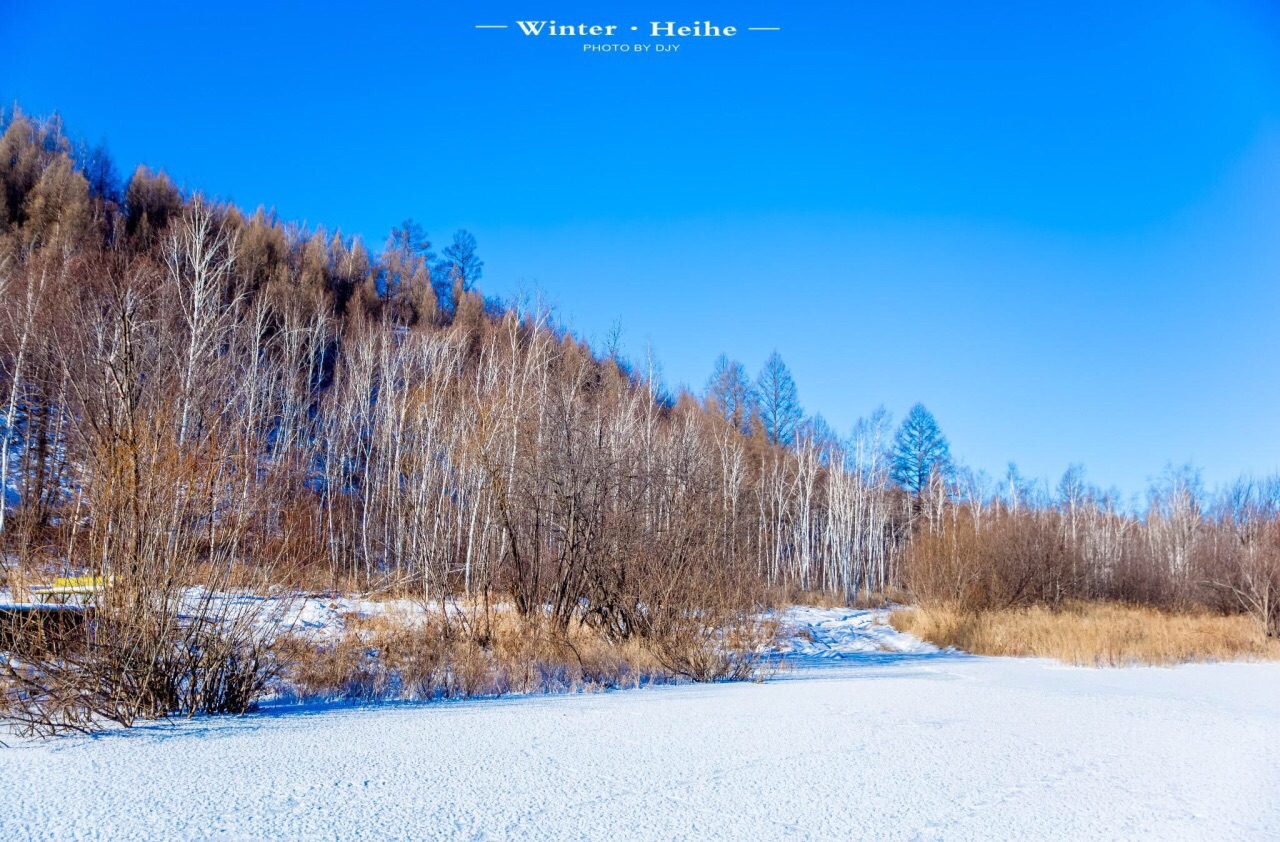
{"x": 810, "y": 636}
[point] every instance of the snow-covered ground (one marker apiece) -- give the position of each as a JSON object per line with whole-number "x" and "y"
{"x": 317, "y": 616}
{"x": 871, "y": 734}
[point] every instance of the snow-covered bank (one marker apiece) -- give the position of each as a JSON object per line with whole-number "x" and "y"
{"x": 873, "y": 735}
{"x": 814, "y": 637}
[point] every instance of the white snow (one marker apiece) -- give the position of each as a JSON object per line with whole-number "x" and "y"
{"x": 816, "y": 636}
{"x": 323, "y": 616}
{"x": 871, "y": 735}
{"x": 317, "y": 616}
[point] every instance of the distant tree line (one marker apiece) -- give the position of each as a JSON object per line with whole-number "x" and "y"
{"x": 186, "y": 385}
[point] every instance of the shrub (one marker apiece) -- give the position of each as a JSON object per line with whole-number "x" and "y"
{"x": 130, "y": 664}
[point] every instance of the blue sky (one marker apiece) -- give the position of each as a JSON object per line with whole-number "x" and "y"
{"x": 1057, "y": 225}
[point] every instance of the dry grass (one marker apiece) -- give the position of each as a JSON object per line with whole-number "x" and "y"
{"x": 19, "y": 579}
{"x": 148, "y": 662}
{"x": 1092, "y": 634}
{"x": 388, "y": 655}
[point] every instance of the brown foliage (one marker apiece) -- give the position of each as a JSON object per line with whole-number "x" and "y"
{"x": 1013, "y": 560}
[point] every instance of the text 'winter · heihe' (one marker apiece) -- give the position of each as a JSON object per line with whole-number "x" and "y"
{"x": 657, "y": 29}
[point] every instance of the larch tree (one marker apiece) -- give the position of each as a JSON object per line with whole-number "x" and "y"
{"x": 406, "y": 284}
{"x": 98, "y": 168}
{"x": 779, "y": 401}
{"x": 27, "y": 149}
{"x": 730, "y": 392}
{"x": 457, "y": 271}
{"x": 920, "y": 451}
{"x": 151, "y": 200}
{"x": 57, "y": 208}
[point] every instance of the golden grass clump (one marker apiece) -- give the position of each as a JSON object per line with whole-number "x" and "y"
{"x": 388, "y": 655}
{"x": 1092, "y": 634}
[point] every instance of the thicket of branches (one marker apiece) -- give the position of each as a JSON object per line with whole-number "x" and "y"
{"x": 194, "y": 393}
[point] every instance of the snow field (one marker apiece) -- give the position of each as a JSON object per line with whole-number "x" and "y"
{"x": 872, "y": 734}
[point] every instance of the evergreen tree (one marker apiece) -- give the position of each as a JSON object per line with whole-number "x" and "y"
{"x": 779, "y": 401}
{"x": 919, "y": 451}
{"x": 409, "y": 240}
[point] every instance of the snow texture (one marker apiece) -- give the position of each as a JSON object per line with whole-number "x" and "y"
{"x": 870, "y": 734}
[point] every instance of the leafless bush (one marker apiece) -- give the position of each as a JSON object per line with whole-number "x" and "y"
{"x": 711, "y": 646}
{"x": 141, "y": 662}
{"x": 1015, "y": 559}
{"x": 390, "y": 657}
{"x": 1243, "y": 562}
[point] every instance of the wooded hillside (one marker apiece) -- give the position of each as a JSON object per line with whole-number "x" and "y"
{"x": 195, "y": 392}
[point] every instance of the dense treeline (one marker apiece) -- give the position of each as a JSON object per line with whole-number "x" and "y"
{"x": 192, "y": 393}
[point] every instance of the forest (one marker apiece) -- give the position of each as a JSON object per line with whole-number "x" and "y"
{"x": 199, "y": 399}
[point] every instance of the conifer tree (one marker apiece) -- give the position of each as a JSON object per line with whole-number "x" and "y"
{"x": 457, "y": 271}
{"x": 57, "y": 208}
{"x": 406, "y": 281}
{"x": 779, "y": 401}
{"x": 920, "y": 451}
{"x": 730, "y": 391}
{"x": 27, "y": 148}
{"x": 151, "y": 200}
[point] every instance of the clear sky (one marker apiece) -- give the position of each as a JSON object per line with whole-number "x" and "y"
{"x": 1056, "y": 224}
